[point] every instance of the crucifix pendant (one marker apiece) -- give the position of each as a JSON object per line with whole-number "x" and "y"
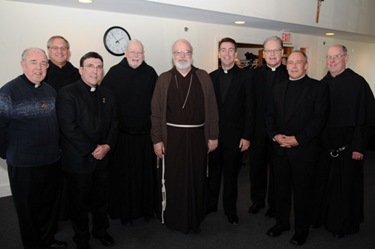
{"x": 318, "y": 10}
{"x": 44, "y": 106}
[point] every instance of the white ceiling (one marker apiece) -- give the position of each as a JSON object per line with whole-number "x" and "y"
{"x": 141, "y": 7}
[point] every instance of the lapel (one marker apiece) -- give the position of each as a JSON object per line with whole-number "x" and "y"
{"x": 216, "y": 84}
{"x": 95, "y": 109}
{"x": 234, "y": 85}
{"x": 283, "y": 88}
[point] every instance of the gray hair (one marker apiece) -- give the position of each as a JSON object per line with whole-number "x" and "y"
{"x": 185, "y": 41}
{"x": 134, "y": 41}
{"x": 274, "y": 38}
{"x": 24, "y": 53}
{"x": 57, "y": 37}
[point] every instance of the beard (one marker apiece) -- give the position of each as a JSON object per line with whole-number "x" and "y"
{"x": 183, "y": 66}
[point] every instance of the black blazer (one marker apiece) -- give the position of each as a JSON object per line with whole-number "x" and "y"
{"x": 305, "y": 120}
{"x": 84, "y": 124}
{"x": 236, "y": 112}
{"x": 263, "y": 87}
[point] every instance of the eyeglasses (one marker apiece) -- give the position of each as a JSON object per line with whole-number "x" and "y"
{"x": 93, "y": 67}
{"x": 334, "y": 57}
{"x": 272, "y": 51}
{"x": 133, "y": 53}
{"x": 186, "y": 52}
{"x": 55, "y": 48}
{"x": 229, "y": 50}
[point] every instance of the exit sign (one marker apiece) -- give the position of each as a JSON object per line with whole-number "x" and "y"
{"x": 286, "y": 37}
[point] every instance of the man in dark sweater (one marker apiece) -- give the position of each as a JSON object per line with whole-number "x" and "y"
{"x": 29, "y": 141}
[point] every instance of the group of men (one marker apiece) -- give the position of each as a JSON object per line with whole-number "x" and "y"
{"x": 306, "y": 138}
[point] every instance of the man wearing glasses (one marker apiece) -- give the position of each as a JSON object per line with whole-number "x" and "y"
{"x": 87, "y": 119}
{"x": 60, "y": 71}
{"x": 339, "y": 193}
{"x": 184, "y": 129}
{"x": 260, "y": 153}
{"x": 132, "y": 167}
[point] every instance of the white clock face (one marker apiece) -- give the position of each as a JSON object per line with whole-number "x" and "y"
{"x": 115, "y": 40}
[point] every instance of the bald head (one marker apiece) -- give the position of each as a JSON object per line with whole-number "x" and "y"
{"x": 134, "y": 53}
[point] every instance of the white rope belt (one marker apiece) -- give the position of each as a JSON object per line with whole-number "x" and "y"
{"x": 163, "y": 190}
{"x": 185, "y": 126}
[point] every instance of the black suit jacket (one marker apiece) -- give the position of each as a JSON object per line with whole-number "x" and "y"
{"x": 236, "y": 112}
{"x": 305, "y": 120}
{"x": 263, "y": 81}
{"x": 84, "y": 124}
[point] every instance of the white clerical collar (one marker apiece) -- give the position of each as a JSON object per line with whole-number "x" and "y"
{"x": 298, "y": 78}
{"x": 274, "y": 68}
{"x": 37, "y": 85}
{"x": 92, "y": 89}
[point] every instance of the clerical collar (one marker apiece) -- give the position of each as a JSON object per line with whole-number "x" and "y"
{"x": 273, "y": 68}
{"x": 297, "y": 78}
{"x": 23, "y": 76}
{"x": 90, "y": 88}
{"x": 227, "y": 71}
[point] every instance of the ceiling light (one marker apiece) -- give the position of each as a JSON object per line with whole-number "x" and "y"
{"x": 239, "y": 22}
{"x": 330, "y": 34}
{"x": 85, "y": 1}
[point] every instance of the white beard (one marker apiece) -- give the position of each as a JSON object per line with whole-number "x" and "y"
{"x": 181, "y": 66}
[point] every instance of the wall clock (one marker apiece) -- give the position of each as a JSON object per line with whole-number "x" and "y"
{"x": 115, "y": 40}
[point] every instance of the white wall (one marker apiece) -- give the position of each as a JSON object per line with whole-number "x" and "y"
{"x": 348, "y": 15}
{"x": 25, "y": 25}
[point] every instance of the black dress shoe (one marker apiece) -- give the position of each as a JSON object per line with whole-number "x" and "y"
{"x": 56, "y": 244}
{"x": 276, "y": 230}
{"x": 270, "y": 213}
{"x": 106, "y": 239}
{"x": 299, "y": 238}
{"x": 233, "y": 219}
{"x": 254, "y": 209}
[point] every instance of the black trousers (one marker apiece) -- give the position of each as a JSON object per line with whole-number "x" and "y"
{"x": 261, "y": 174}
{"x": 36, "y": 194}
{"x": 224, "y": 162}
{"x": 88, "y": 192}
{"x": 297, "y": 177}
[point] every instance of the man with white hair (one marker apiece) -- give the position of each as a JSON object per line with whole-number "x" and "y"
{"x": 184, "y": 129}
{"x": 132, "y": 168}
{"x": 29, "y": 141}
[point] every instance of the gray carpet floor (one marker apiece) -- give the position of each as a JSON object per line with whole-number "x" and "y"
{"x": 216, "y": 232}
